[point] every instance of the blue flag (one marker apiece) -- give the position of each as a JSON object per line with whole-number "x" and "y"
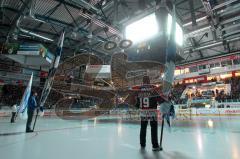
{"x": 48, "y": 84}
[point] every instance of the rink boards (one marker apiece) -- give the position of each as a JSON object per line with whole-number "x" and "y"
{"x": 210, "y": 112}
{"x": 179, "y": 112}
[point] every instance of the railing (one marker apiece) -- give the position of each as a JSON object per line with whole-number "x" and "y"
{"x": 73, "y": 86}
{"x": 208, "y": 71}
{"x": 190, "y": 112}
{"x": 229, "y": 100}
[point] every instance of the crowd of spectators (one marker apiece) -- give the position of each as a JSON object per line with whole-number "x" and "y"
{"x": 219, "y": 95}
{"x": 235, "y": 87}
{"x": 177, "y": 92}
{"x": 234, "y": 95}
{"x": 12, "y": 94}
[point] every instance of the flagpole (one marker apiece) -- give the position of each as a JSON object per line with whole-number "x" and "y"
{"x": 48, "y": 84}
{"x": 161, "y": 136}
{"x": 170, "y": 65}
{"x": 35, "y": 119}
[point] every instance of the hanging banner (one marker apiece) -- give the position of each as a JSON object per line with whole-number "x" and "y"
{"x": 98, "y": 71}
{"x": 32, "y": 49}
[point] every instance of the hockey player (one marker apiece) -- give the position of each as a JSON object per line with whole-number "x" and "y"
{"x": 14, "y": 112}
{"x": 148, "y": 106}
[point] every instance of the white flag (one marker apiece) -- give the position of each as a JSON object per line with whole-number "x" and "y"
{"x": 24, "y": 102}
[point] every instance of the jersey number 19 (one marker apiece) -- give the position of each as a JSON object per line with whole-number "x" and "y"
{"x": 144, "y": 102}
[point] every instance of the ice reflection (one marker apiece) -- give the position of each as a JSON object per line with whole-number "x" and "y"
{"x": 119, "y": 129}
{"x": 210, "y": 123}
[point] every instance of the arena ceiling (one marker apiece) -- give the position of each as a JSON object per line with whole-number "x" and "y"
{"x": 211, "y": 27}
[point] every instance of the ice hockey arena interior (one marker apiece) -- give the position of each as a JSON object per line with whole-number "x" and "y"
{"x": 120, "y": 79}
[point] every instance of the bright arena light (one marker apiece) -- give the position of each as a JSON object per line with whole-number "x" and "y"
{"x": 179, "y": 31}
{"x": 147, "y": 28}
{"x": 142, "y": 29}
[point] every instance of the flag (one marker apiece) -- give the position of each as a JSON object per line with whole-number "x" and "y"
{"x": 24, "y": 102}
{"x": 48, "y": 84}
{"x": 170, "y": 57}
{"x": 59, "y": 51}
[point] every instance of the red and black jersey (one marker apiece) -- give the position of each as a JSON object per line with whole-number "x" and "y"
{"x": 147, "y": 99}
{"x": 148, "y": 102}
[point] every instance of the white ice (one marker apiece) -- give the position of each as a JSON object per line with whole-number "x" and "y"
{"x": 54, "y": 138}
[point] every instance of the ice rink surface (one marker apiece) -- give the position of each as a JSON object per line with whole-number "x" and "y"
{"x": 54, "y": 138}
